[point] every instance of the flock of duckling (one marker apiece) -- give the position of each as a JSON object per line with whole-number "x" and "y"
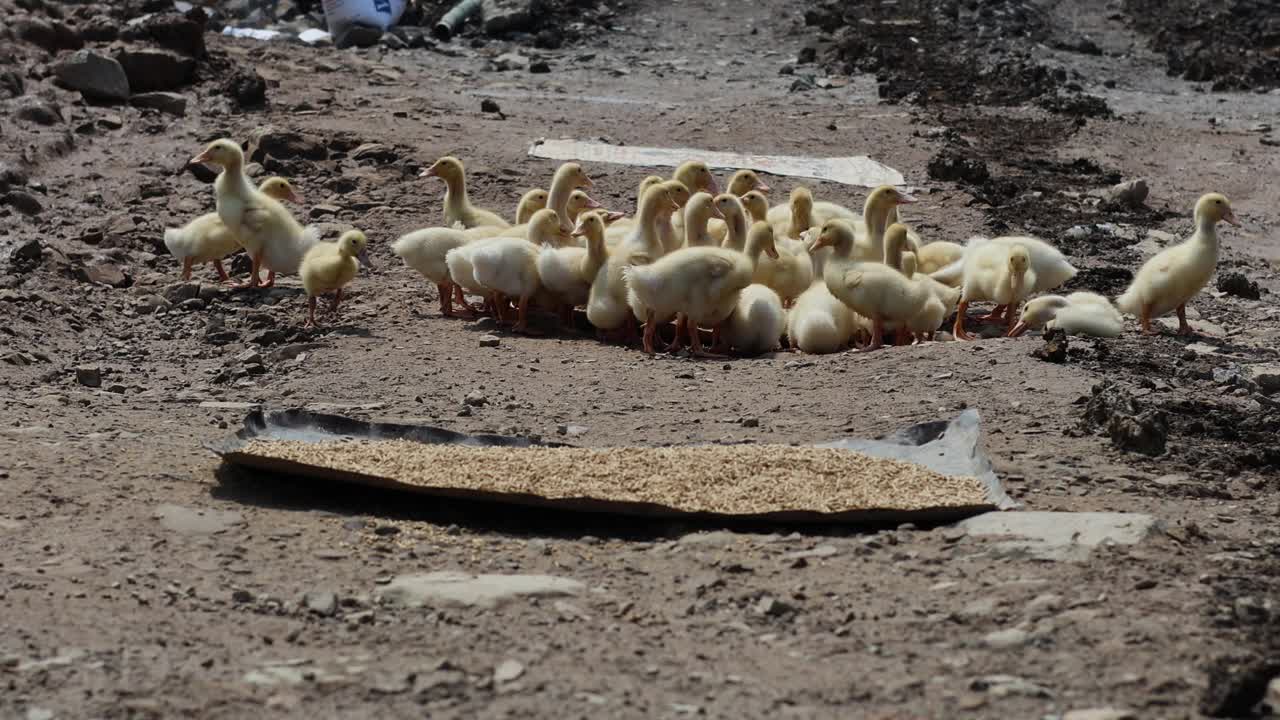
{"x": 693, "y": 258}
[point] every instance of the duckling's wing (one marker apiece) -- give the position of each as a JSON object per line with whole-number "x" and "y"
{"x": 852, "y": 278}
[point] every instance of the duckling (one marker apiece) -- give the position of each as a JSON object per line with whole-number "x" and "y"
{"x": 735, "y": 220}
{"x": 700, "y": 209}
{"x": 607, "y": 308}
{"x": 268, "y": 232}
{"x": 997, "y": 272}
{"x": 926, "y": 322}
{"x": 1175, "y": 275}
{"x": 799, "y": 214}
{"x": 757, "y": 322}
{"x": 1050, "y": 266}
{"x": 744, "y": 181}
{"x": 567, "y": 272}
{"x": 207, "y": 239}
{"x": 819, "y": 323}
{"x": 703, "y": 283}
{"x": 667, "y": 231}
{"x": 568, "y": 177}
{"x": 878, "y": 213}
{"x": 695, "y": 176}
{"x": 508, "y": 266}
{"x": 331, "y": 266}
{"x": 457, "y": 206}
{"x": 755, "y": 205}
{"x": 530, "y": 203}
{"x": 425, "y": 251}
{"x": 937, "y": 255}
{"x": 872, "y": 289}
{"x": 576, "y": 203}
{"x": 792, "y": 273}
{"x": 1080, "y": 313}
{"x": 619, "y": 227}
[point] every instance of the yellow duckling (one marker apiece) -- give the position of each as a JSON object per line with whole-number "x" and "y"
{"x": 1080, "y": 313}
{"x": 996, "y": 272}
{"x": 457, "y": 206}
{"x": 530, "y": 203}
{"x": 700, "y": 209}
{"x": 425, "y": 251}
{"x": 268, "y": 232}
{"x": 744, "y": 181}
{"x": 207, "y": 239}
{"x": 508, "y": 266}
{"x": 607, "y": 304}
{"x": 1175, "y": 275}
{"x": 331, "y": 266}
{"x": 567, "y": 272}
{"x": 819, "y": 323}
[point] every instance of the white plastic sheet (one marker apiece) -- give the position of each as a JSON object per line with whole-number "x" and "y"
{"x": 342, "y": 14}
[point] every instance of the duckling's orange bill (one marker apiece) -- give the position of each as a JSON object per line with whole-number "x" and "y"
{"x": 203, "y": 157}
{"x": 1018, "y": 329}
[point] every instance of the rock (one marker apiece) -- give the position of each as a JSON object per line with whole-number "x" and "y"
{"x": 391, "y": 41}
{"x": 95, "y": 76}
{"x": 375, "y": 152}
{"x": 539, "y": 67}
{"x": 172, "y": 31}
{"x": 1055, "y": 347}
{"x": 475, "y": 398}
{"x": 507, "y": 671}
{"x": 1009, "y": 686}
{"x": 950, "y": 166}
{"x": 89, "y": 376}
{"x": 150, "y": 303}
{"x": 1239, "y": 285}
{"x": 188, "y": 521}
{"x": 22, "y": 201}
{"x": 773, "y": 607}
{"x": 1131, "y": 194}
{"x": 1059, "y": 535}
{"x": 1005, "y": 639}
{"x": 166, "y": 102}
{"x": 320, "y": 603}
{"x": 821, "y": 551}
{"x": 246, "y": 88}
{"x": 37, "y": 110}
{"x": 51, "y": 35}
{"x": 20, "y": 254}
{"x": 490, "y": 106}
{"x": 1131, "y": 427}
{"x": 490, "y": 341}
{"x": 151, "y": 69}
{"x": 1100, "y": 714}
{"x": 571, "y": 430}
{"x": 1273, "y": 694}
{"x": 455, "y": 589}
{"x": 510, "y": 61}
{"x": 1270, "y": 140}
{"x": 1044, "y": 605}
{"x": 358, "y": 36}
{"x": 293, "y": 350}
{"x": 750, "y": 422}
{"x": 1266, "y": 376}
{"x": 1252, "y": 611}
{"x": 103, "y": 273}
{"x": 39, "y": 713}
{"x": 1237, "y": 684}
{"x": 505, "y": 16}
{"x": 284, "y": 145}
{"x": 1260, "y": 128}
{"x": 178, "y": 292}
{"x": 229, "y": 405}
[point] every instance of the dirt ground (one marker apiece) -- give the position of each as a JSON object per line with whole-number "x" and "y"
{"x": 119, "y": 604}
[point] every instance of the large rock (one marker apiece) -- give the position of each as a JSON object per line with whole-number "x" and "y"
{"x": 96, "y": 76}
{"x": 1267, "y": 377}
{"x": 37, "y": 110}
{"x": 284, "y": 145}
{"x": 1059, "y": 535}
{"x": 49, "y": 34}
{"x": 166, "y": 102}
{"x": 151, "y": 70}
{"x": 103, "y": 273}
{"x": 455, "y": 589}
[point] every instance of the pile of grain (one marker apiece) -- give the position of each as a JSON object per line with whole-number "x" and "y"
{"x": 738, "y": 480}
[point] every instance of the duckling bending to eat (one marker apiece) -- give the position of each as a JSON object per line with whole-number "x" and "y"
{"x": 530, "y": 203}
{"x": 926, "y": 322}
{"x": 819, "y": 323}
{"x": 508, "y": 266}
{"x": 1080, "y": 313}
{"x": 330, "y": 267}
{"x": 757, "y": 322}
{"x": 1176, "y": 274}
{"x": 206, "y": 239}
{"x": 567, "y": 272}
{"x": 425, "y": 251}
{"x": 703, "y": 283}
{"x": 266, "y": 230}
{"x": 873, "y": 290}
{"x": 996, "y": 272}
{"x": 607, "y": 307}
{"x": 457, "y": 206}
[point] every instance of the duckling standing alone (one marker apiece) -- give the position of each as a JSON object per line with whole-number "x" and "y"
{"x": 207, "y": 239}
{"x": 1080, "y": 313}
{"x": 1174, "y": 276}
{"x": 457, "y": 206}
{"x": 331, "y": 266}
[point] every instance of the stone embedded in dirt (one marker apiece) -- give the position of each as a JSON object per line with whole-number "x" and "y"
{"x": 508, "y": 671}
{"x": 246, "y": 88}
{"x": 320, "y": 603}
{"x": 22, "y": 201}
{"x": 188, "y": 521}
{"x": 1055, "y": 347}
{"x": 96, "y": 76}
{"x": 1130, "y": 426}
{"x": 770, "y": 606}
{"x": 1005, "y": 639}
{"x": 1266, "y": 376}
{"x": 1131, "y": 194}
{"x": 571, "y": 430}
{"x": 150, "y": 304}
{"x": 455, "y": 589}
{"x": 1253, "y": 611}
{"x": 171, "y": 31}
{"x": 475, "y": 398}
{"x": 490, "y": 106}
{"x": 1009, "y": 686}
{"x": 1100, "y": 714}
{"x": 510, "y": 61}
{"x": 1237, "y": 684}
{"x": 1239, "y": 285}
{"x": 293, "y": 350}
{"x": 284, "y": 145}
{"x": 89, "y": 376}
{"x": 229, "y": 405}
{"x": 1059, "y": 535}
{"x": 391, "y": 41}
{"x": 821, "y": 551}
{"x": 38, "y": 111}
{"x": 100, "y": 272}
{"x": 375, "y": 152}
{"x": 178, "y": 292}
{"x": 167, "y": 102}
{"x": 151, "y": 69}
{"x": 490, "y": 341}
{"x": 539, "y": 67}
{"x": 1044, "y": 605}
{"x": 51, "y": 35}
{"x": 950, "y": 166}
{"x": 506, "y": 16}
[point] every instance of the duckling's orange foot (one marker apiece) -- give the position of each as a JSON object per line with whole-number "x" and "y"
{"x": 1186, "y": 330}
{"x": 995, "y": 316}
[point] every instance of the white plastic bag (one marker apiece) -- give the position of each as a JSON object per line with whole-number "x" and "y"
{"x": 342, "y": 14}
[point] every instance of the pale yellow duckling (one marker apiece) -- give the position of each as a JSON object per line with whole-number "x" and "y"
{"x": 567, "y": 272}
{"x": 926, "y": 322}
{"x": 874, "y": 290}
{"x": 996, "y": 272}
{"x": 757, "y": 323}
{"x": 266, "y": 230}
{"x": 425, "y": 251}
{"x": 937, "y": 255}
{"x": 530, "y": 203}
{"x": 819, "y": 323}
{"x": 700, "y": 209}
{"x": 619, "y": 227}
{"x": 695, "y": 176}
{"x": 508, "y": 266}
{"x": 744, "y": 181}
{"x": 754, "y": 204}
{"x": 607, "y": 307}
{"x": 792, "y": 273}
{"x": 757, "y": 206}
{"x": 457, "y": 205}
{"x": 670, "y": 237}
{"x": 1080, "y": 313}
{"x": 1050, "y": 266}
{"x": 799, "y": 216}
{"x": 330, "y": 267}
{"x": 206, "y": 239}
{"x": 1175, "y": 275}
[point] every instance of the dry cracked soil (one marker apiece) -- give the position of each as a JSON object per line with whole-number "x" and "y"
{"x": 140, "y": 579}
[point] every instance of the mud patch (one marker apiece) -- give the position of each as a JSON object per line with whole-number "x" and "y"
{"x": 1235, "y": 44}
{"x": 1132, "y": 427}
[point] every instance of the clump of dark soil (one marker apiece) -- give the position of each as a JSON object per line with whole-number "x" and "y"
{"x": 1055, "y": 347}
{"x": 1131, "y": 426}
{"x": 954, "y": 52}
{"x": 1235, "y": 44}
{"x": 1239, "y": 285}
